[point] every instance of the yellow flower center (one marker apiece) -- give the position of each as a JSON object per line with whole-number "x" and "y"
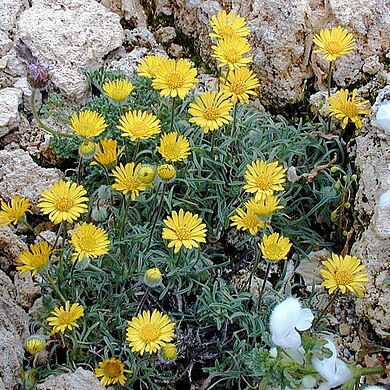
{"x": 149, "y": 332}
{"x": 349, "y": 109}
{"x": 183, "y": 233}
{"x": 232, "y": 56}
{"x": 333, "y": 47}
{"x": 64, "y": 203}
{"x": 87, "y": 244}
{"x": 131, "y": 183}
{"x": 251, "y": 221}
{"x": 64, "y": 318}
{"x": 274, "y": 251}
{"x": 263, "y": 181}
{"x": 226, "y": 31}
{"x": 211, "y": 113}
{"x": 237, "y": 87}
{"x": 112, "y": 369}
{"x": 171, "y": 150}
{"x": 175, "y": 80}
{"x": 343, "y": 277}
{"x": 139, "y": 128}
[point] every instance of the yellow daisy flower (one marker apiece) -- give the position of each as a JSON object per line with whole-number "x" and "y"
{"x": 263, "y": 207}
{"x": 246, "y": 220}
{"x": 139, "y": 125}
{"x": 275, "y": 247}
{"x": 35, "y": 344}
{"x": 127, "y": 181}
{"x": 211, "y": 110}
{"x": 166, "y": 172}
{"x": 264, "y": 178}
{"x": 64, "y": 201}
{"x": 35, "y": 259}
{"x": 230, "y": 51}
{"x": 64, "y": 317}
{"x": 174, "y": 147}
{"x": 118, "y": 90}
{"x": 334, "y": 42}
{"x": 88, "y": 123}
{"x": 149, "y": 66}
{"x": 184, "y": 229}
{"x": 14, "y": 211}
{"x": 168, "y": 352}
{"x": 347, "y": 108}
{"x": 240, "y": 83}
{"x": 149, "y": 332}
{"x": 107, "y": 153}
{"x": 145, "y": 173}
{"x": 111, "y": 371}
{"x": 226, "y": 25}
{"x": 344, "y": 273}
{"x": 89, "y": 241}
{"x": 175, "y": 78}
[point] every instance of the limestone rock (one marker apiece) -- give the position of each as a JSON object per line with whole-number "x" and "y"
{"x": 19, "y": 174}
{"x": 70, "y": 35}
{"x": 26, "y": 290}
{"x": 373, "y": 163}
{"x": 282, "y": 39}
{"x": 10, "y": 98}
{"x": 79, "y": 380}
{"x": 10, "y": 247}
{"x": 13, "y": 333}
{"x": 131, "y": 10}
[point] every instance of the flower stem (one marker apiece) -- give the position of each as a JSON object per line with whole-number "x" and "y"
{"x": 212, "y": 142}
{"x": 172, "y": 113}
{"x": 136, "y": 149}
{"x": 159, "y": 207}
{"x": 143, "y": 300}
{"x": 234, "y": 120}
{"x": 325, "y": 309}
{"x": 255, "y": 264}
{"x": 40, "y": 123}
{"x": 78, "y": 173}
{"x": 54, "y": 286}
{"x": 330, "y": 74}
{"x": 264, "y": 284}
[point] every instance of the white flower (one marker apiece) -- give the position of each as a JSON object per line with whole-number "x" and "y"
{"x": 286, "y": 318}
{"x": 383, "y": 117}
{"x": 332, "y": 369}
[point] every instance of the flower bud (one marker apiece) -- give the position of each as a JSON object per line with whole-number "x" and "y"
{"x": 334, "y": 169}
{"x": 153, "y": 277}
{"x": 145, "y": 174}
{"x": 168, "y": 352}
{"x": 87, "y": 149}
{"x": 35, "y": 344}
{"x": 333, "y": 215}
{"x": 99, "y": 214}
{"x": 166, "y": 172}
{"x": 38, "y": 75}
{"x": 337, "y": 185}
{"x": 353, "y": 177}
{"x": 347, "y": 205}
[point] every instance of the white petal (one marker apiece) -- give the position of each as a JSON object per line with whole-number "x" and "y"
{"x": 384, "y": 200}
{"x": 305, "y": 320}
{"x": 291, "y": 340}
{"x": 296, "y": 354}
{"x": 284, "y": 317}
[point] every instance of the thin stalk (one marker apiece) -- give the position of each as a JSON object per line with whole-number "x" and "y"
{"x": 50, "y": 280}
{"x": 330, "y": 74}
{"x": 40, "y": 123}
{"x": 325, "y": 309}
{"x": 136, "y": 149}
{"x": 123, "y": 216}
{"x": 234, "y": 120}
{"x": 212, "y": 142}
{"x": 159, "y": 208}
{"x": 264, "y": 284}
{"x": 226, "y": 76}
{"x": 255, "y": 264}
{"x": 78, "y": 172}
{"x": 172, "y": 113}
{"x": 143, "y": 300}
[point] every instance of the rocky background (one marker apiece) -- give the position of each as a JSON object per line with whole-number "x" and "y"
{"x": 71, "y": 35}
